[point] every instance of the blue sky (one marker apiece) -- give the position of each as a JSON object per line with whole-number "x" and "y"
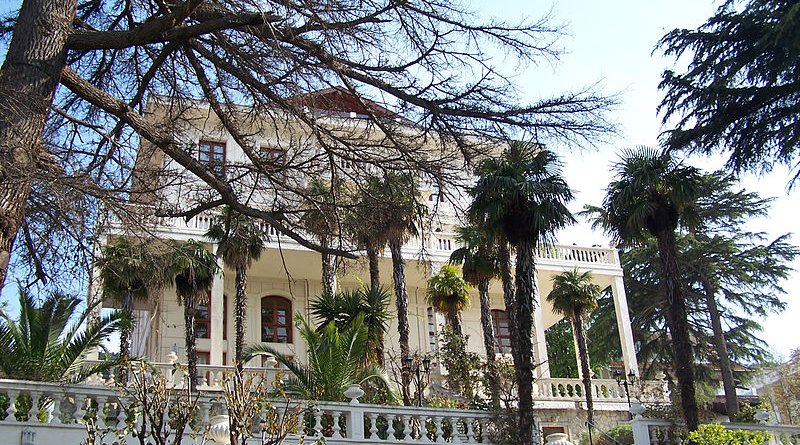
{"x": 611, "y": 42}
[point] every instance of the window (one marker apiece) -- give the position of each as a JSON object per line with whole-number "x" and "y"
{"x": 276, "y": 320}
{"x": 445, "y": 243}
{"x": 502, "y": 334}
{"x": 274, "y": 160}
{"x": 213, "y": 155}
{"x": 202, "y": 320}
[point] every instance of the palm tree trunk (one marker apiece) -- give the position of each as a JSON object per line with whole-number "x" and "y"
{"x": 454, "y": 320}
{"x": 401, "y": 300}
{"x": 191, "y": 341}
{"x": 489, "y": 342}
{"x": 125, "y": 337}
{"x": 374, "y": 269}
{"x": 728, "y": 384}
{"x": 678, "y": 326}
{"x": 525, "y": 289}
{"x": 328, "y": 269}
{"x": 240, "y": 306}
{"x": 583, "y": 354}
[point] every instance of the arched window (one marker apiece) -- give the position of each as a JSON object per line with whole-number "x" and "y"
{"x": 502, "y": 334}
{"x": 276, "y": 320}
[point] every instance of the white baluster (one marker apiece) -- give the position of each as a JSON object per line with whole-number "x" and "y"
{"x": 317, "y": 423}
{"x": 390, "y": 429}
{"x": 33, "y": 413}
{"x": 455, "y": 425}
{"x": 80, "y": 401}
{"x": 11, "y": 411}
{"x": 373, "y": 426}
{"x": 407, "y": 430}
{"x": 337, "y": 434}
{"x": 470, "y": 432}
{"x": 55, "y": 416}
{"x": 438, "y": 436}
{"x": 101, "y": 412}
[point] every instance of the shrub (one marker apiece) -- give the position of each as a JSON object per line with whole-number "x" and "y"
{"x": 622, "y": 435}
{"x": 716, "y": 434}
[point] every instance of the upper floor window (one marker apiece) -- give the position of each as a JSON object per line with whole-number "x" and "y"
{"x": 502, "y": 333}
{"x": 202, "y": 321}
{"x": 213, "y": 155}
{"x": 276, "y": 320}
{"x": 274, "y": 160}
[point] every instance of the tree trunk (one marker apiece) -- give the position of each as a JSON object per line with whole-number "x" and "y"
{"x": 525, "y": 290}
{"x": 401, "y": 300}
{"x": 239, "y": 312}
{"x": 583, "y": 354}
{"x": 191, "y": 341}
{"x": 728, "y": 384}
{"x": 489, "y": 342}
{"x": 328, "y": 269}
{"x": 678, "y": 326}
{"x": 28, "y": 79}
{"x": 374, "y": 268}
{"x": 125, "y": 337}
{"x": 454, "y": 320}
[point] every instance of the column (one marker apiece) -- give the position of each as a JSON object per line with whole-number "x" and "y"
{"x": 539, "y": 343}
{"x": 217, "y": 311}
{"x": 624, "y": 326}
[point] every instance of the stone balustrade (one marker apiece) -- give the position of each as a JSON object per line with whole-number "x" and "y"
{"x": 55, "y": 414}
{"x": 603, "y": 391}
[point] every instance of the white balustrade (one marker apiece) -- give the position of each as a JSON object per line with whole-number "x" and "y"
{"x": 603, "y": 390}
{"x": 62, "y": 412}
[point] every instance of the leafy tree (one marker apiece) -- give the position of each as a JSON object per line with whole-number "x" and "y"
{"x": 739, "y": 93}
{"x": 448, "y": 293}
{"x": 782, "y": 393}
{"x": 561, "y": 350}
{"x": 651, "y": 194}
{"x": 194, "y": 269}
{"x": 345, "y": 307}
{"x": 574, "y": 295}
{"x": 129, "y": 270}
{"x": 336, "y": 359}
{"x": 522, "y": 196}
{"x": 240, "y": 241}
{"x": 112, "y": 63}
{"x": 479, "y": 264}
{"x": 49, "y": 341}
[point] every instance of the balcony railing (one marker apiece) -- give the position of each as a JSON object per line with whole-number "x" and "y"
{"x": 603, "y": 391}
{"x": 59, "y": 414}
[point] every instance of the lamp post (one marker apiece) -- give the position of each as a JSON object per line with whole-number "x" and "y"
{"x": 630, "y": 379}
{"x": 417, "y": 372}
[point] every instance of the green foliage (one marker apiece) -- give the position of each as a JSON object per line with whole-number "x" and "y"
{"x": 336, "y": 359}
{"x": 464, "y": 368}
{"x": 618, "y": 435}
{"x": 448, "y": 294}
{"x": 739, "y": 92}
{"x": 49, "y": 341}
{"x": 747, "y": 413}
{"x": 240, "y": 239}
{"x": 716, "y": 434}
{"x": 561, "y": 350}
{"x": 344, "y": 307}
{"x": 574, "y": 293}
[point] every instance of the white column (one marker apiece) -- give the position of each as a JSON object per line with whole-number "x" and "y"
{"x": 217, "y": 311}
{"x": 539, "y": 343}
{"x": 624, "y": 326}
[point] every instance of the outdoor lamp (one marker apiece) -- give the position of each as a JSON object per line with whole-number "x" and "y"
{"x": 426, "y": 364}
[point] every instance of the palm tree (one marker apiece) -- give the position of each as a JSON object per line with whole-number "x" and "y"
{"x": 336, "y": 360}
{"x": 521, "y": 196}
{"x": 479, "y": 261}
{"x": 194, "y": 268}
{"x": 240, "y": 242}
{"x": 448, "y": 293}
{"x": 321, "y": 219}
{"x": 365, "y": 226}
{"x": 651, "y": 195}
{"x": 129, "y": 271}
{"x": 345, "y": 306}
{"x": 43, "y": 345}
{"x": 574, "y": 295}
{"x": 397, "y": 211}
